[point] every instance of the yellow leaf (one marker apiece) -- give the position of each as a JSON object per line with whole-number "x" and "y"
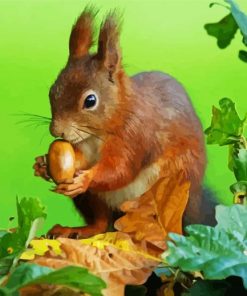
{"x": 40, "y": 247}
{"x": 113, "y": 256}
{"x": 120, "y": 241}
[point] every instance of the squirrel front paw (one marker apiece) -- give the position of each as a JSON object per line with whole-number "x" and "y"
{"x": 75, "y": 186}
{"x": 40, "y": 168}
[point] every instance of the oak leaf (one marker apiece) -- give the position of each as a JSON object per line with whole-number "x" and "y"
{"x": 157, "y": 212}
{"x": 114, "y": 257}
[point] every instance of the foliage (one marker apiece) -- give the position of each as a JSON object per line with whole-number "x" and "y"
{"x": 121, "y": 258}
{"x": 14, "y": 275}
{"x": 71, "y": 276}
{"x": 214, "y": 252}
{"x": 228, "y": 129}
{"x": 226, "y": 28}
{"x": 226, "y": 126}
{"x": 114, "y": 257}
{"x": 30, "y": 215}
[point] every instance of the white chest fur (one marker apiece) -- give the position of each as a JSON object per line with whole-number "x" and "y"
{"x": 142, "y": 183}
{"x": 90, "y": 149}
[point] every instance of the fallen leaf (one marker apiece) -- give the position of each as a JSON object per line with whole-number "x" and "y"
{"x": 118, "y": 261}
{"x": 157, "y": 212}
{"x": 40, "y": 247}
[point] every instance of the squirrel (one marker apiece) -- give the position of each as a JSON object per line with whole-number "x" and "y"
{"x": 129, "y": 129}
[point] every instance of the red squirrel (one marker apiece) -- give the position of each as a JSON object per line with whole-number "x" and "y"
{"x": 129, "y": 129}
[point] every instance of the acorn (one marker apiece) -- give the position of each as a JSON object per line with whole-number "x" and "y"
{"x": 61, "y": 161}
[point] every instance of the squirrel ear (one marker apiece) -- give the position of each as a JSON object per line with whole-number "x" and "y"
{"x": 81, "y": 37}
{"x": 108, "y": 45}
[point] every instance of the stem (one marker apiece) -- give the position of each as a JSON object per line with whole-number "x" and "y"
{"x": 219, "y": 4}
{"x": 3, "y": 279}
{"x": 244, "y": 141}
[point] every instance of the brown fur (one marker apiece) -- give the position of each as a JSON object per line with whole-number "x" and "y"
{"x": 140, "y": 120}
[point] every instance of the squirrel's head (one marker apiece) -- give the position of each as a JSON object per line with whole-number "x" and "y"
{"x": 88, "y": 90}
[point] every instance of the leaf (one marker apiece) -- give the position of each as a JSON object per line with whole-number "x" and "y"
{"x": 117, "y": 267}
{"x": 242, "y": 54}
{"x": 217, "y": 252}
{"x": 2, "y": 233}
{"x": 156, "y": 212}
{"x": 239, "y": 164}
{"x": 226, "y": 126}
{"x": 5, "y": 264}
{"x": 233, "y": 220}
{"x": 40, "y": 247}
{"x": 224, "y": 30}
{"x": 30, "y": 214}
{"x": 240, "y": 18}
{"x": 70, "y": 276}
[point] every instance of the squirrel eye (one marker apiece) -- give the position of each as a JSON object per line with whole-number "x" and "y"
{"x": 90, "y": 101}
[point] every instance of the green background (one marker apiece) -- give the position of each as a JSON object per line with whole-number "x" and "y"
{"x": 166, "y": 35}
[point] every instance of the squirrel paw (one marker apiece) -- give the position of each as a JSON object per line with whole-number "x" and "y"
{"x": 40, "y": 168}
{"x": 74, "y": 232}
{"x": 61, "y": 231}
{"x": 76, "y": 186}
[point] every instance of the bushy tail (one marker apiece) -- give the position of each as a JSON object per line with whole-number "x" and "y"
{"x": 205, "y": 209}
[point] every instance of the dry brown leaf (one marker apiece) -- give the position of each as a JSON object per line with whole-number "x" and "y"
{"x": 156, "y": 212}
{"x": 129, "y": 256}
{"x": 117, "y": 267}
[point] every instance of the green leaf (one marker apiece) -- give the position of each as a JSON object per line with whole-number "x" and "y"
{"x": 2, "y": 233}
{"x": 71, "y": 276}
{"x": 29, "y": 210}
{"x": 239, "y": 164}
{"x": 217, "y": 252}
{"x": 224, "y": 30}
{"x": 233, "y": 220}
{"x": 5, "y": 264}
{"x": 240, "y": 18}
{"x": 243, "y": 55}
{"x": 226, "y": 126}
{"x": 30, "y": 215}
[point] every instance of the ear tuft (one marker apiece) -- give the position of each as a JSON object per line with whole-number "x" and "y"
{"x": 81, "y": 37}
{"x": 108, "y": 45}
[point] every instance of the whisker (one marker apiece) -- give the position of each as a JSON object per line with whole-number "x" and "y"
{"x": 32, "y": 115}
{"x": 76, "y": 128}
{"x": 34, "y": 124}
{"x": 43, "y": 136}
{"x": 80, "y": 136}
{"x": 95, "y": 128}
{"x": 34, "y": 121}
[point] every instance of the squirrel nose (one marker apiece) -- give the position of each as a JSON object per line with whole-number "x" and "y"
{"x": 56, "y": 130}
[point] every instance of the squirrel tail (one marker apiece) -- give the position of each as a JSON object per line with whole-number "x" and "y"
{"x": 205, "y": 213}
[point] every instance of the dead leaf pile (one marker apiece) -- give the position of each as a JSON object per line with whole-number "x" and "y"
{"x": 128, "y": 256}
